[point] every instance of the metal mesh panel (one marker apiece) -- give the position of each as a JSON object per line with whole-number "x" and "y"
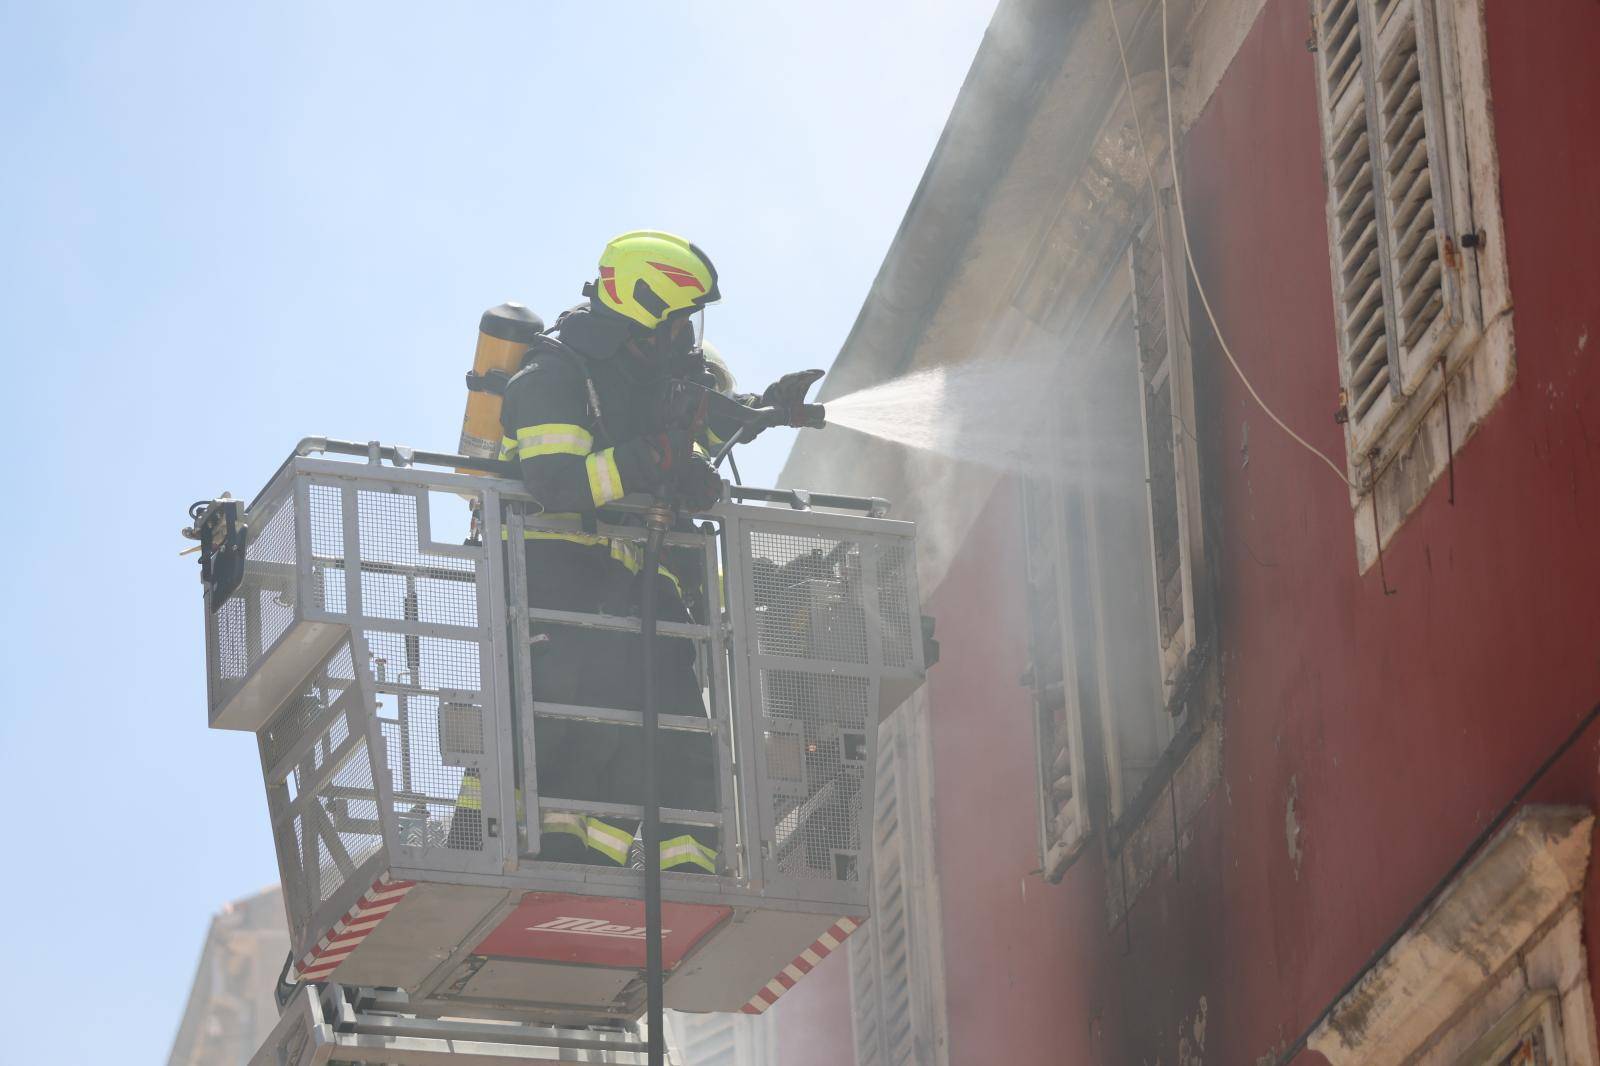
{"x": 325, "y": 515}
{"x": 398, "y": 579}
{"x": 262, "y": 608}
{"x": 309, "y": 706}
{"x": 437, "y": 799}
{"x": 350, "y": 804}
{"x": 286, "y": 837}
{"x": 899, "y": 627}
{"x": 324, "y": 805}
{"x": 225, "y": 637}
{"x": 271, "y": 555}
{"x": 460, "y": 732}
{"x": 816, "y": 746}
{"x": 807, "y": 595}
{"x": 429, "y": 663}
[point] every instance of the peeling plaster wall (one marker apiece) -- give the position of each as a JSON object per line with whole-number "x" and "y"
{"x": 1369, "y": 738}
{"x": 1366, "y": 740}
{"x": 1396, "y": 725}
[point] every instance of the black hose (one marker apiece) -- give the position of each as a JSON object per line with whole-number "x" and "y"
{"x": 284, "y": 990}
{"x": 655, "y": 1003}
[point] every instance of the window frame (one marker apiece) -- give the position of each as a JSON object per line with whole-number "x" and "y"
{"x": 1063, "y": 830}
{"x": 1080, "y": 614}
{"x": 1397, "y": 448}
{"x": 1539, "y": 1012}
{"x": 1160, "y": 232}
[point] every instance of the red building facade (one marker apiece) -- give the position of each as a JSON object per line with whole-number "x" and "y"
{"x": 1205, "y": 775}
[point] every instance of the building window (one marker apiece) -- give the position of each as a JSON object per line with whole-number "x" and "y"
{"x": 1414, "y": 232}
{"x": 1529, "y": 1036}
{"x": 1172, "y": 475}
{"x": 1114, "y": 552}
{"x": 1052, "y": 674}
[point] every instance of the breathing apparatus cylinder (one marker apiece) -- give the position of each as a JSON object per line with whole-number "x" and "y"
{"x": 504, "y": 335}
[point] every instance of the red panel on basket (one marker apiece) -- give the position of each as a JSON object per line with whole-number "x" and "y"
{"x": 596, "y": 930}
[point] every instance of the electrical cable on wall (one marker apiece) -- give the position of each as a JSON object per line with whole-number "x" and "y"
{"x": 1183, "y": 225}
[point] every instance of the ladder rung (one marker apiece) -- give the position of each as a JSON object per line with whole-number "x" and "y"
{"x": 684, "y": 723}
{"x": 615, "y": 623}
{"x": 461, "y": 1029}
{"x": 671, "y": 815}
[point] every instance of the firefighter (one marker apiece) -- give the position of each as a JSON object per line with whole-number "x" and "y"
{"x": 584, "y": 418}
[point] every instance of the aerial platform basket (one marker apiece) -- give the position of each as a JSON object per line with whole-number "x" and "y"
{"x": 382, "y": 657}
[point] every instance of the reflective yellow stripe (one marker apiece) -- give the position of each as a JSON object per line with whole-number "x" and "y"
{"x": 553, "y": 438}
{"x": 614, "y": 843}
{"x": 508, "y": 448}
{"x": 576, "y": 537}
{"x": 633, "y": 563}
{"x": 711, "y": 435}
{"x": 626, "y": 552}
{"x": 608, "y": 840}
{"x": 631, "y": 555}
{"x": 593, "y": 540}
{"x": 470, "y": 796}
{"x": 605, "y": 480}
{"x": 670, "y": 576}
{"x": 687, "y": 851}
{"x": 564, "y": 822}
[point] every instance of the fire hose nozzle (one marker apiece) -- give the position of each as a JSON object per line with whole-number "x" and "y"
{"x": 812, "y": 416}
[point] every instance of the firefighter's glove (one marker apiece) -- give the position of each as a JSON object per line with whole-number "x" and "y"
{"x": 696, "y": 483}
{"x": 788, "y": 395}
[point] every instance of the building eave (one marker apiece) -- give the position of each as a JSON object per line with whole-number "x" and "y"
{"x": 1021, "y": 52}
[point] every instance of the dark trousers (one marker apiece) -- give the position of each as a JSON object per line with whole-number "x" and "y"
{"x": 597, "y": 762}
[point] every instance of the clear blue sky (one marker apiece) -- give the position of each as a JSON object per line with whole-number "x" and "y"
{"x": 226, "y": 226}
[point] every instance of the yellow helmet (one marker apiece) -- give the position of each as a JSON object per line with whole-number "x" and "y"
{"x": 650, "y": 277}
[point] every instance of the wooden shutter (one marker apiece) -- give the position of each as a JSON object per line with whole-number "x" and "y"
{"x": 880, "y": 974}
{"x": 1058, "y": 727}
{"x": 705, "y": 1039}
{"x": 1413, "y": 167}
{"x": 1395, "y": 304}
{"x": 1361, "y": 307}
{"x": 895, "y": 974}
{"x": 722, "y": 1039}
{"x": 1166, "y": 406}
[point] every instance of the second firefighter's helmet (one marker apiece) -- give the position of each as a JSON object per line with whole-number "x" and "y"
{"x": 717, "y": 369}
{"x": 650, "y": 277}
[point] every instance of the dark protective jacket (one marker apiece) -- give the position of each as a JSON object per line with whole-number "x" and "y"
{"x": 580, "y": 413}
{"x": 581, "y": 418}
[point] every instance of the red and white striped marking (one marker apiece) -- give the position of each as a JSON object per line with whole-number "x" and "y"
{"x": 803, "y": 964}
{"x": 348, "y": 932}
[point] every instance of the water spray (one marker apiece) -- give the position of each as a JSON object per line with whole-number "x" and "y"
{"x": 989, "y": 413}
